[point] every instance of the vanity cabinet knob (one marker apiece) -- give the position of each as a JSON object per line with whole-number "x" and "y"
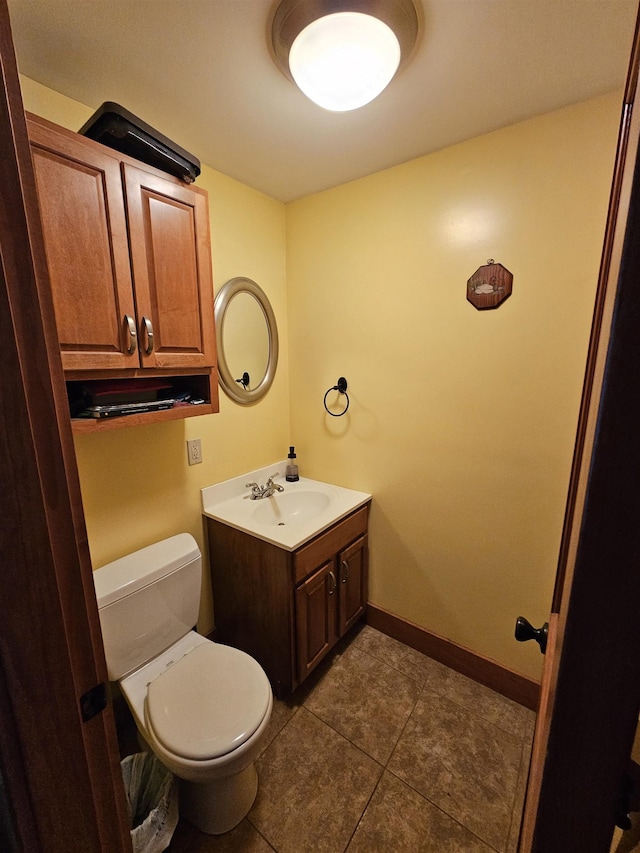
{"x": 335, "y": 583}
{"x": 345, "y": 576}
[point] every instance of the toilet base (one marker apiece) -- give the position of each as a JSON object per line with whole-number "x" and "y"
{"x": 218, "y": 806}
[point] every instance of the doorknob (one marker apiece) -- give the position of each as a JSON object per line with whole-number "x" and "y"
{"x": 525, "y": 631}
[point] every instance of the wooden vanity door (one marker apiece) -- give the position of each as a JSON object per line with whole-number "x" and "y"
{"x": 353, "y": 588}
{"x": 316, "y": 612}
{"x": 85, "y": 232}
{"x": 171, "y": 261}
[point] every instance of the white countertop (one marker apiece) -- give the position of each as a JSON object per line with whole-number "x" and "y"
{"x": 287, "y": 519}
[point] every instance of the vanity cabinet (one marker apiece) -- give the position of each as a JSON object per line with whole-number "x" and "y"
{"x": 128, "y": 252}
{"x": 331, "y": 595}
{"x": 288, "y": 608}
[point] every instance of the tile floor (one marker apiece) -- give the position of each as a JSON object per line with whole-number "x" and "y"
{"x": 385, "y": 750}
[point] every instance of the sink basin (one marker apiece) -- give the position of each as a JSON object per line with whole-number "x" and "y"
{"x": 286, "y": 519}
{"x": 291, "y": 507}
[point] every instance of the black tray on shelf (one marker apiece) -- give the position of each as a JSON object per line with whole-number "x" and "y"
{"x": 121, "y": 130}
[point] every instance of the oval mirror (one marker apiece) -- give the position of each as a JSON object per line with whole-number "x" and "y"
{"x": 247, "y": 340}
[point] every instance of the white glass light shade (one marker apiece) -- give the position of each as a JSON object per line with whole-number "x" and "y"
{"x": 344, "y": 60}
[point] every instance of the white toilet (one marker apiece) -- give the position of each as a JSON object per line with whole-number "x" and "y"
{"x": 202, "y": 708}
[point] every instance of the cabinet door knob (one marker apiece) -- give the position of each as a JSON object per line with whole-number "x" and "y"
{"x": 148, "y": 328}
{"x": 335, "y": 584}
{"x": 130, "y": 333}
{"x": 345, "y": 576}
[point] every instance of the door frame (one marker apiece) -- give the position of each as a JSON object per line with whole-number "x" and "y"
{"x": 590, "y": 696}
{"x": 60, "y": 774}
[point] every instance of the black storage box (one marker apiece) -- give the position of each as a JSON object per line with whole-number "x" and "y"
{"x": 116, "y": 127}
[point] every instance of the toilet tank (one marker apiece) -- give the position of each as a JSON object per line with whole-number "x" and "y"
{"x": 147, "y": 601}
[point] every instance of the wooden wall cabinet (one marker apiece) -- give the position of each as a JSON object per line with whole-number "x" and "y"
{"x": 288, "y": 609}
{"x": 129, "y": 258}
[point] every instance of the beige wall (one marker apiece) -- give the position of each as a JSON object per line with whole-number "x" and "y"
{"x": 461, "y": 422}
{"x": 136, "y": 484}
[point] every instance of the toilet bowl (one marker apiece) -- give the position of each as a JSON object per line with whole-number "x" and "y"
{"x": 201, "y": 707}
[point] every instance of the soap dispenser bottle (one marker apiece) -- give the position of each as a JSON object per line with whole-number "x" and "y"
{"x": 291, "y": 473}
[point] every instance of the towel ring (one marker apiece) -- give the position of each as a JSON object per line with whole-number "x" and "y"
{"x": 341, "y": 387}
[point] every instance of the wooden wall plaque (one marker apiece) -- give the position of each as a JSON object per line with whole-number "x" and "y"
{"x": 489, "y": 286}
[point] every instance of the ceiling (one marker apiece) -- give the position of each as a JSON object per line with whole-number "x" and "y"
{"x": 200, "y": 71}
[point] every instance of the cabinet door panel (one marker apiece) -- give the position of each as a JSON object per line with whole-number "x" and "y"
{"x": 83, "y": 218}
{"x": 170, "y": 255}
{"x": 353, "y": 574}
{"x": 316, "y": 618}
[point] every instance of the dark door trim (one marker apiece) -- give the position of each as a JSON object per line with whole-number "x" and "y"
{"x": 591, "y": 679}
{"x": 61, "y": 774}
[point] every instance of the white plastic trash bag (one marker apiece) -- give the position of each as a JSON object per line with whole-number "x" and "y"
{"x": 153, "y": 802}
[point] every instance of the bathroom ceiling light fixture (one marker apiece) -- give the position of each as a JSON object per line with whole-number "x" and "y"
{"x": 343, "y": 53}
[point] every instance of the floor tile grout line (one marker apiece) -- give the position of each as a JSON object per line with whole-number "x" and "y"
{"x": 348, "y": 739}
{"x": 423, "y": 685}
{"x": 523, "y": 768}
{"x": 263, "y": 837}
{"x": 521, "y": 736}
{"x": 279, "y": 732}
{"x": 383, "y": 766}
{"x": 363, "y": 812}
{"x": 443, "y": 810}
{"x": 420, "y": 681}
{"x": 404, "y": 728}
{"x": 436, "y": 805}
{"x": 344, "y": 737}
{"x": 425, "y": 682}
{"x": 262, "y": 754}
{"x": 397, "y": 740}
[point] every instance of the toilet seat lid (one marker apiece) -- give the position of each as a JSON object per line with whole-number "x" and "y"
{"x": 208, "y": 703}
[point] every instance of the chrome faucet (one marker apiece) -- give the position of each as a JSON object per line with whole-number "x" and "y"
{"x": 259, "y": 492}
